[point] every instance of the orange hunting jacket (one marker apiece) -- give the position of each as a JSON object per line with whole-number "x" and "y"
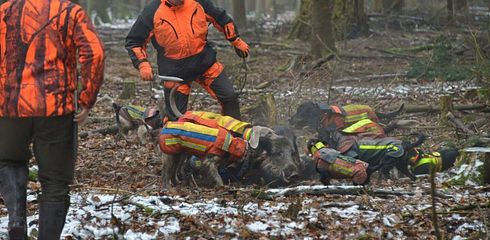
{"x": 39, "y": 41}
{"x": 179, "y": 34}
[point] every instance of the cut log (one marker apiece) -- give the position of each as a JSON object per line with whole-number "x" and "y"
{"x": 473, "y": 167}
{"x": 129, "y": 90}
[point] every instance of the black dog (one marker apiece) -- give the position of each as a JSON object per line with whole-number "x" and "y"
{"x": 382, "y": 154}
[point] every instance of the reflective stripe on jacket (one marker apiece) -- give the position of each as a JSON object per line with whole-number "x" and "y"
{"x": 39, "y": 44}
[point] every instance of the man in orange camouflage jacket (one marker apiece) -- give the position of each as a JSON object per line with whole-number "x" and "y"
{"x": 178, "y": 31}
{"x": 40, "y": 44}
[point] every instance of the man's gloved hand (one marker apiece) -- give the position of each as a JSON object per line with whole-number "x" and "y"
{"x": 241, "y": 47}
{"x": 146, "y": 73}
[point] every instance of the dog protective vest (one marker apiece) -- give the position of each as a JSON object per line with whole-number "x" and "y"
{"x": 337, "y": 165}
{"x": 351, "y": 119}
{"x": 433, "y": 159}
{"x": 203, "y": 133}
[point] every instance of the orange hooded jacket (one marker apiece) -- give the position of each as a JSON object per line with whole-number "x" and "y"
{"x": 39, "y": 41}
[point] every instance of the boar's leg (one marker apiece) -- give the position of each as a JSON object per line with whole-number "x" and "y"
{"x": 211, "y": 165}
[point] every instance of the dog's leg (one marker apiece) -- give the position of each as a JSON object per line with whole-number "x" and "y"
{"x": 167, "y": 166}
{"x": 404, "y": 169}
{"x": 211, "y": 165}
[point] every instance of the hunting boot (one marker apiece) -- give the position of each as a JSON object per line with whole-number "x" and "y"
{"x": 52, "y": 217}
{"x": 13, "y": 189}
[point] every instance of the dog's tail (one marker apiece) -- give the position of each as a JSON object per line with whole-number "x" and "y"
{"x": 390, "y": 115}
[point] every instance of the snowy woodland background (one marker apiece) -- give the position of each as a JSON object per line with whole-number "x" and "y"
{"x": 377, "y": 52}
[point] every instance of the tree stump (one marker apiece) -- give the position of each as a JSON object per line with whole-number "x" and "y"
{"x": 129, "y": 90}
{"x": 473, "y": 167}
{"x": 446, "y": 103}
{"x": 264, "y": 112}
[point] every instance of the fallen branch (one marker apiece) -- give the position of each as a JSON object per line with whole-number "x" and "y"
{"x": 371, "y": 77}
{"x": 430, "y": 108}
{"x": 457, "y": 123}
{"x": 340, "y": 190}
{"x": 104, "y": 131}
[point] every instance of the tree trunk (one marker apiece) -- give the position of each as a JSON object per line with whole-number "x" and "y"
{"x": 322, "y": 39}
{"x": 239, "y": 15}
{"x": 349, "y": 19}
{"x": 73, "y": 1}
{"x": 101, "y": 8}
{"x": 388, "y": 6}
{"x": 456, "y": 6}
{"x": 302, "y": 27}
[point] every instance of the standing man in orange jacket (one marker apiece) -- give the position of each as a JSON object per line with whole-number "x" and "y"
{"x": 40, "y": 43}
{"x": 178, "y": 30}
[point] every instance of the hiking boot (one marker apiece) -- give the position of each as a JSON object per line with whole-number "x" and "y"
{"x": 52, "y": 217}
{"x": 13, "y": 189}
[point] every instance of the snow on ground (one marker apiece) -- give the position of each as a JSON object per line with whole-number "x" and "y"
{"x": 93, "y": 215}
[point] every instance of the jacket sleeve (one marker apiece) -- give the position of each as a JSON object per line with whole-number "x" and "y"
{"x": 220, "y": 19}
{"x": 141, "y": 33}
{"x": 90, "y": 56}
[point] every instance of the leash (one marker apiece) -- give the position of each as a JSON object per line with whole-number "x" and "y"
{"x": 245, "y": 75}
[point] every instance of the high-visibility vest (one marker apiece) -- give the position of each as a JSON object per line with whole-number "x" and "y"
{"x": 203, "y": 133}
{"x": 433, "y": 159}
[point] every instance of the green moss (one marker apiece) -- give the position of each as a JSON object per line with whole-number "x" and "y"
{"x": 440, "y": 64}
{"x": 33, "y": 175}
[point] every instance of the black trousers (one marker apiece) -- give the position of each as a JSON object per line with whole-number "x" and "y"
{"x": 221, "y": 88}
{"x": 52, "y": 139}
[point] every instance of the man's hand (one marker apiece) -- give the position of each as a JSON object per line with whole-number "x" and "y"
{"x": 241, "y": 47}
{"x": 81, "y": 116}
{"x": 146, "y": 73}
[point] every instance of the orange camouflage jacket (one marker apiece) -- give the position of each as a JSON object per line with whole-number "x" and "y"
{"x": 39, "y": 42}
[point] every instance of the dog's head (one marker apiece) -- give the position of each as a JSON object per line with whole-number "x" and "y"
{"x": 276, "y": 158}
{"x": 411, "y": 154}
{"x": 308, "y": 115}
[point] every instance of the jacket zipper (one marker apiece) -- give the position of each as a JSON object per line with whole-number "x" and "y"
{"x": 173, "y": 28}
{"x": 192, "y": 18}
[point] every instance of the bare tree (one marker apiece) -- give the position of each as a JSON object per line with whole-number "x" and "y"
{"x": 239, "y": 15}
{"x": 302, "y": 27}
{"x": 350, "y": 19}
{"x": 322, "y": 39}
{"x": 456, "y": 6}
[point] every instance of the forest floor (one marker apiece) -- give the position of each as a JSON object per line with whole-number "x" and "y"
{"x": 117, "y": 192}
